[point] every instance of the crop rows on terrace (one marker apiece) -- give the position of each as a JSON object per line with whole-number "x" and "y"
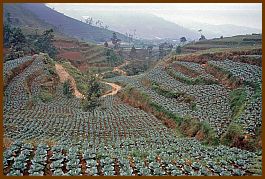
{"x": 246, "y": 72}
{"x": 59, "y": 104}
{"x": 251, "y": 75}
{"x": 252, "y": 116}
{"x": 16, "y": 95}
{"x": 9, "y": 65}
{"x": 61, "y": 119}
{"x": 212, "y": 103}
{"x": 141, "y": 157}
{"x": 117, "y": 139}
{"x": 111, "y": 122}
{"x": 197, "y": 70}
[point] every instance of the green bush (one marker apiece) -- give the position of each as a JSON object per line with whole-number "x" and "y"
{"x": 113, "y": 58}
{"x": 237, "y": 101}
{"x": 91, "y": 100}
{"x": 67, "y": 89}
{"x": 45, "y": 96}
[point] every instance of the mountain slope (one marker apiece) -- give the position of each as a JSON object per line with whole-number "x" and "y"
{"x": 147, "y": 26}
{"x": 37, "y": 13}
{"x": 21, "y": 17}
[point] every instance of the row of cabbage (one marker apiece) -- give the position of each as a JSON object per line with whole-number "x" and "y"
{"x": 12, "y": 64}
{"x": 16, "y": 94}
{"x": 251, "y": 117}
{"x": 141, "y": 157}
{"x": 193, "y": 68}
{"x": 246, "y": 72}
{"x": 113, "y": 123}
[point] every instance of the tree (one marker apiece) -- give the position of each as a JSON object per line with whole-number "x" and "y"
{"x": 170, "y": 47}
{"x": 178, "y": 49}
{"x": 161, "y": 50}
{"x": 20, "y": 43}
{"x": 90, "y": 102}
{"x": 130, "y": 38}
{"x": 114, "y": 38}
{"x": 7, "y": 34}
{"x": 149, "y": 50}
{"x": 106, "y": 44}
{"x": 202, "y": 37}
{"x": 67, "y": 89}
{"x": 89, "y": 20}
{"x": 133, "y": 52}
{"x": 44, "y": 44}
{"x": 183, "y": 40}
{"x": 8, "y": 18}
{"x": 115, "y": 41}
{"x": 17, "y": 39}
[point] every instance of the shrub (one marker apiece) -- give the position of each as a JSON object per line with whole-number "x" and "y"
{"x": 90, "y": 102}
{"x": 45, "y": 96}
{"x": 67, "y": 89}
{"x": 238, "y": 100}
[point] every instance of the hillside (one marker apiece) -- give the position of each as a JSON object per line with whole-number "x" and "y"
{"x": 238, "y": 41}
{"x": 117, "y": 138}
{"x": 21, "y": 17}
{"x": 86, "y": 56}
{"x": 38, "y": 15}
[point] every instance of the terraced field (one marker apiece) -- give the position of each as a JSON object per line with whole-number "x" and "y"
{"x": 211, "y": 100}
{"x": 55, "y": 137}
{"x": 84, "y": 55}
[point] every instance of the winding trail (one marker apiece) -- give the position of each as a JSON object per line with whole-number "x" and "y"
{"x": 118, "y": 68}
{"x": 64, "y": 75}
{"x": 115, "y": 89}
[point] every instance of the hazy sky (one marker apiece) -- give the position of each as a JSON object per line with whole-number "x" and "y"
{"x": 243, "y": 14}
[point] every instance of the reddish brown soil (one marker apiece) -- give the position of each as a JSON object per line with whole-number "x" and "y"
{"x": 116, "y": 167}
{"x": 223, "y": 78}
{"x": 199, "y": 135}
{"x": 7, "y": 142}
{"x": 47, "y": 170}
{"x": 185, "y": 70}
{"x": 65, "y": 44}
{"x": 71, "y": 55}
{"x": 115, "y": 89}
{"x": 64, "y": 76}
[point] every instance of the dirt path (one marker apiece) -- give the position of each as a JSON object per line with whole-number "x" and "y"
{"x": 118, "y": 68}
{"x": 64, "y": 75}
{"x": 115, "y": 89}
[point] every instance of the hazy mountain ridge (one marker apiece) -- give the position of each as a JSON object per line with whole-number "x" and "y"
{"x": 147, "y": 26}
{"x": 39, "y": 14}
{"x": 144, "y": 23}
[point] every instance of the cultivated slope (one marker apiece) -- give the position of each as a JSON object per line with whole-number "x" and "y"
{"x": 54, "y": 137}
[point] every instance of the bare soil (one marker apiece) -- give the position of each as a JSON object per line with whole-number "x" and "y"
{"x": 64, "y": 76}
